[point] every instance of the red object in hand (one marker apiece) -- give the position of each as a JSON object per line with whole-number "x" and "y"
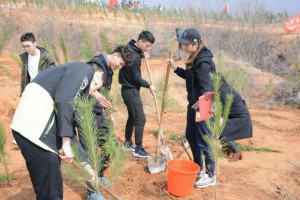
{"x": 204, "y": 105}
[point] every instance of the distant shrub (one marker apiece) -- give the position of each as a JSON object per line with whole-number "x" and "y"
{"x": 106, "y": 45}
{"x": 63, "y": 47}
{"x": 86, "y": 47}
{"x": 3, "y": 157}
{"x": 6, "y": 71}
{"x": 51, "y": 49}
{"x": 5, "y": 35}
{"x": 123, "y": 39}
{"x": 234, "y": 77}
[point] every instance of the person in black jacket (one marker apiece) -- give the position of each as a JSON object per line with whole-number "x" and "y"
{"x": 179, "y": 32}
{"x": 43, "y": 121}
{"x": 198, "y": 83}
{"x": 131, "y": 81}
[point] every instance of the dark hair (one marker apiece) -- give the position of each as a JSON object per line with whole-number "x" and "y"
{"x": 146, "y": 36}
{"x": 27, "y": 37}
{"x": 126, "y": 53}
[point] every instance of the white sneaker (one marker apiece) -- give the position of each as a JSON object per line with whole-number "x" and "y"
{"x": 202, "y": 174}
{"x": 206, "y": 181}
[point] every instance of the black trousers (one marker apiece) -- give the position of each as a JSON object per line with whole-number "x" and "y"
{"x": 44, "y": 169}
{"x": 195, "y": 134}
{"x": 136, "y": 116}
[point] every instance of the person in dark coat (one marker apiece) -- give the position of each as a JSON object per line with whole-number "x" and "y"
{"x": 238, "y": 125}
{"x": 198, "y": 83}
{"x": 179, "y": 32}
{"x": 131, "y": 80}
{"x": 43, "y": 121}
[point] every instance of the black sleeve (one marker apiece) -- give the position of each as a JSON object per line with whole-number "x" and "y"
{"x": 135, "y": 73}
{"x": 76, "y": 81}
{"x": 180, "y": 72}
{"x": 202, "y": 73}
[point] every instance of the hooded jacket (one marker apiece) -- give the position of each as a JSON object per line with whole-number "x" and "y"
{"x": 101, "y": 62}
{"x": 197, "y": 77}
{"x": 46, "y": 111}
{"x": 239, "y": 125}
{"x": 130, "y": 76}
{"x": 45, "y": 61}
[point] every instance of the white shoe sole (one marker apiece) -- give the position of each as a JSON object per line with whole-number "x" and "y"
{"x": 139, "y": 156}
{"x": 204, "y": 186}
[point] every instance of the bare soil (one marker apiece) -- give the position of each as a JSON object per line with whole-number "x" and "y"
{"x": 260, "y": 175}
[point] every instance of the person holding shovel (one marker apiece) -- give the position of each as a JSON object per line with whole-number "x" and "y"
{"x": 238, "y": 125}
{"x": 43, "y": 121}
{"x": 198, "y": 83}
{"x": 131, "y": 80}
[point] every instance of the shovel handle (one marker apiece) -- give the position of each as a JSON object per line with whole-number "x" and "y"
{"x": 151, "y": 82}
{"x": 160, "y": 132}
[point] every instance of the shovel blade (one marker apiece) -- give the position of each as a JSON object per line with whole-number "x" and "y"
{"x": 156, "y": 163}
{"x": 185, "y": 142}
{"x": 167, "y": 153}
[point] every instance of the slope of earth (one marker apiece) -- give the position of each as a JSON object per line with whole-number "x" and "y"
{"x": 260, "y": 175}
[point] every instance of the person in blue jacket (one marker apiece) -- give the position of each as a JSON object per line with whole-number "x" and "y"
{"x": 43, "y": 121}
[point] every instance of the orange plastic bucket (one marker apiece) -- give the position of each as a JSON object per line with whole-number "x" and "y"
{"x": 181, "y": 177}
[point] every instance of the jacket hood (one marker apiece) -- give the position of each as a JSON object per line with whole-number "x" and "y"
{"x": 100, "y": 61}
{"x": 204, "y": 54}
{"x": 132, "y": 45}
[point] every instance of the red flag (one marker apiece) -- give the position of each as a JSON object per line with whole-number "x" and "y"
{"x": 113, "y": 3}
{"x": 292, "y": 25}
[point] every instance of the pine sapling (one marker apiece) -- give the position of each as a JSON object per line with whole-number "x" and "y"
{"x": 221, "y": 113}
{"x": 3, "y": 157}
{"x": 88, "y": 163}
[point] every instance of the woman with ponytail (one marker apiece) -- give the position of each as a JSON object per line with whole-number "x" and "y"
{"x": 198, "y": 83}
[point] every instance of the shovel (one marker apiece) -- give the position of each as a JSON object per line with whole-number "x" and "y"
{"x": 185, "y": 145}
{"x": 157, "y": 162}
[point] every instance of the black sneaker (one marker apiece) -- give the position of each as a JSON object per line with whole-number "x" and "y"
{"x": 140, "y": 152}
{"x": 129, "y": 146}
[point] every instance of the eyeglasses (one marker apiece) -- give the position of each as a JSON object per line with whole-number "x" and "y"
{"x": 26, "y": 46}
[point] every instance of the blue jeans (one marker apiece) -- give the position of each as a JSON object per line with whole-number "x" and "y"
{"x": 195, "y": 132}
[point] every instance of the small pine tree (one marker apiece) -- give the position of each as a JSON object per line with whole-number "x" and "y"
{"x": 3, "y": 157}
{"x": 90, "y": 135}
{"x": 221, "y": 113}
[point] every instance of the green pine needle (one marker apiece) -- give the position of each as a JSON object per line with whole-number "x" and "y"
{"x": 262, "y": 149}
